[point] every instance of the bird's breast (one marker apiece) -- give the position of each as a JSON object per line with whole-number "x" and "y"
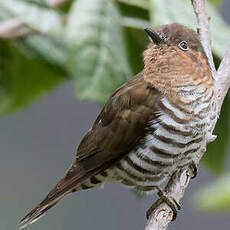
{"x": 172, "y": 141}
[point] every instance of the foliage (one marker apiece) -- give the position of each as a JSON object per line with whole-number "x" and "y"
{"x": 96, "y": 44}
{"x": 97, "y": 57}
{"x": 218, "y": 198}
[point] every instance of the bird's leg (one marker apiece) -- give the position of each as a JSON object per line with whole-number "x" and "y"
{"x": 194, "y": 169}
{"x": 164, "y": 198}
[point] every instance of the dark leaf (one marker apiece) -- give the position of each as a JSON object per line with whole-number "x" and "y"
{"x": 214, "y": 197}
{"x": 22, "y": 79}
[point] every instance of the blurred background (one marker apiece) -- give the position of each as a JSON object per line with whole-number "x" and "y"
{"x": 59, "y": 61}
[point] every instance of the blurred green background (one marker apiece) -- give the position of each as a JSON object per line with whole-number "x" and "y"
{"x": 54, "y": 53}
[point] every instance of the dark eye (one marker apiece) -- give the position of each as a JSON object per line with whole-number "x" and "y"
{"x": 183, "y": 45}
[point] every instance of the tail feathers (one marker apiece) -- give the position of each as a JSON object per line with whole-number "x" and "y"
{"x": 36, "y": 214}
{"x": 74, "y": 177}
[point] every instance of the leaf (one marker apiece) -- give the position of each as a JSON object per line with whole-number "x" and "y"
{"x": 166, "y": 11}
{"x": 42, "y": 3}
{"x": 22, "y": 80}
{"x": 135, "y": 20}
{"x": 135, "y": 23}
{"x": 136, "y": 42}
{"x": 134, "y": 17}
{"x": 214, "y": 197}
{"x": 53, "y": 50}
{"x": 40, "y": 19}
{"x": 50, "y": 48}
{"x": 215, "y": 2}
{"x": 215, "y": 157}
{"x": 132, "y": 10}
{"x": 98, "y": 60}
{"x": 138, "y": 3}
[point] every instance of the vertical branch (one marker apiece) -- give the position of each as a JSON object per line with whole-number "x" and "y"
{"x": 204, "y": 30}
{"x": 223, "y": 79}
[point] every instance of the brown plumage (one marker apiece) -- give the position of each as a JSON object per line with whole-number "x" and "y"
{"x": 151, "y": 126}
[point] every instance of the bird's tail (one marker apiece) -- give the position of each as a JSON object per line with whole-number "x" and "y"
{"x": 74, "y": 177}
{"x": 36, "y": 214}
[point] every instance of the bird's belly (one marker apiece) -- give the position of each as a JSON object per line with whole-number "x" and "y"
{"x": 161, "y": 154}
{"x": 174, "y": 141}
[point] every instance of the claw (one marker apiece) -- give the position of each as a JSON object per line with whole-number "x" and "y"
{"x": 194, "y": 169}
{"x": 170, "y": 201}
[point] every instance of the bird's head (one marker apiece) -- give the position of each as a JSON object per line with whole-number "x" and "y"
{"x": 175, "y": 57}
{"x": 175, "y": 36}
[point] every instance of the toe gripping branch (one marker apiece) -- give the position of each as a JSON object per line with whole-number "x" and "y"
{"x": 165, "y": 198}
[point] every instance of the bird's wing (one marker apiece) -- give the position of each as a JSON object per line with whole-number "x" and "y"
{"x": 117, "y": 130}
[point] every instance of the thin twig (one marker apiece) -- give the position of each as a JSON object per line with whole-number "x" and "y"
{"x": 162, "y": 215}
{"x": 223, "y": 79}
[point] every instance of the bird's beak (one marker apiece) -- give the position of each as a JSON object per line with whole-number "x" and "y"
{"x": 154, "y": 36}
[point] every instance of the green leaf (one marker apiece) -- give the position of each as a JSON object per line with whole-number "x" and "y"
{"x": 134, "y": 20}
{"x": 215, "y": 2}
{"x": 134, "y": 23}
{"x": 41, "y": 3}
{"x": 134, "y": 17}
{"x": 53, "y": 50}
{"x": 40, "y": 19}
{"x": 138, "y": 3}
{"x": 129, "y": 10}
{"x": 215, "y": 157}
{"x": 98, "y": 61}
{"x": 50, "y": 48}
{"x": 22, "y": 80}
{"x": 214, "y": 197}
{"x": 136, "y": 42}
{"x": 167, "y": 11}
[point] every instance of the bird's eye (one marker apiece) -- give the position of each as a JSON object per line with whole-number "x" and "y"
{"x": 183, "y": 45}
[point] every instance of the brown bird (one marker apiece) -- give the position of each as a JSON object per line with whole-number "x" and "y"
{"x": 151, "y": 127}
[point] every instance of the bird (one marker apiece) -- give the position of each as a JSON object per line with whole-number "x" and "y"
{"x": 151, "y": 127}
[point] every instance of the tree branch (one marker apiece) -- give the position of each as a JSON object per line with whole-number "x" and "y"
{"x": 223, "y": 79}
{"x": 203, "y": 29}
{"x": 163, "y": 214}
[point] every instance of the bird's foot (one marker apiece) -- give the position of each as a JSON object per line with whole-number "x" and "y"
{"x": 194, "y": 169}
{"x": 164, "y": 198}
